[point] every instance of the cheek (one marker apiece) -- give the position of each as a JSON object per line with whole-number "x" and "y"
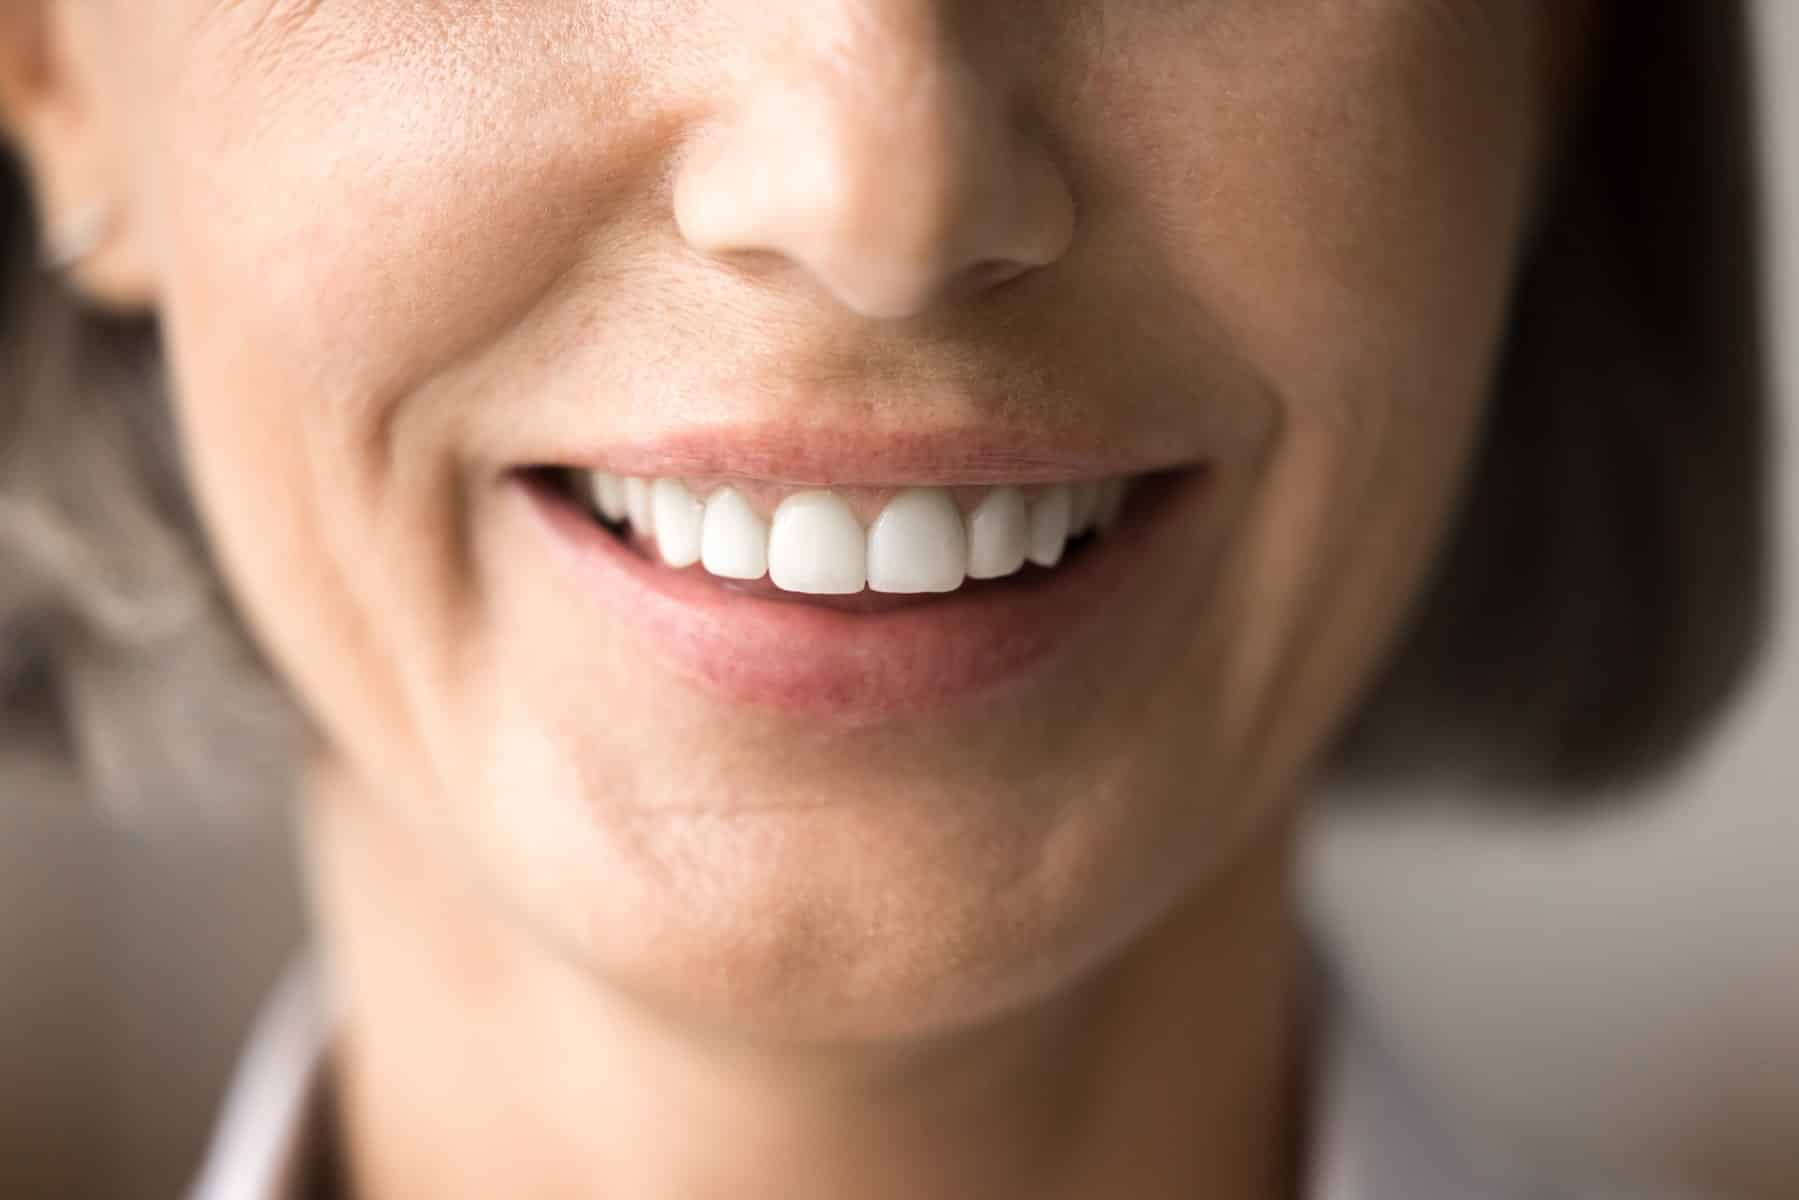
{"x": 392, "y": 207}
{"x": 394, "y": 211}
{"x": 1346, "y": 204}
{"x": 1342, "y": 214}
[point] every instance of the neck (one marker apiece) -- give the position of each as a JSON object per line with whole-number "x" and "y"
{"x": 473, "y": 1061}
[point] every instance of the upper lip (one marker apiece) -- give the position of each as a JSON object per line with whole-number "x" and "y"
{"x": 827, "y": 456}
{"x": 753, "y": 388}
{"x": 861, "y": 414}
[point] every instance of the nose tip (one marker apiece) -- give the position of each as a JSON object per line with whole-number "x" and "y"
{"x": 891, "y": 202}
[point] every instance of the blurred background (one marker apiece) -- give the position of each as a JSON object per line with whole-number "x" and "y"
{"x": 1619, "y": 990}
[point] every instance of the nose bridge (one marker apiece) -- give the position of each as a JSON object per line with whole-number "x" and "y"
{"x": 868, "y": 151}
{"x": 884, "y": 48}
{"x": 908, "y": 139}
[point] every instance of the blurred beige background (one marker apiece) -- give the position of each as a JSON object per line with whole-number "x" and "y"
{"x": 1623, "y": 991}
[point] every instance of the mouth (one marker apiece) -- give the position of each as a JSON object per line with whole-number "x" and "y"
{"x": 853, "y": 604}
{"x": 851, "y": 549}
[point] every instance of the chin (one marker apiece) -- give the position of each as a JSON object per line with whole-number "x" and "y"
{"x": 857, "y": 887}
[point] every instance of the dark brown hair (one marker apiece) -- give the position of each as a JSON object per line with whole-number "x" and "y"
{"x": 1600, "y": 597}
{"x": 1605, "y": 589}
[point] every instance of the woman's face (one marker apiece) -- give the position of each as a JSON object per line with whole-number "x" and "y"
{"x": 421, "y": 262}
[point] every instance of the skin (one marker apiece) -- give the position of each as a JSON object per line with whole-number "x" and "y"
{"x": 599, "y": 932}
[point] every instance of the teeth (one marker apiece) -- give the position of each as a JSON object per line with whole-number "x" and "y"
{"x": 1049, "y": 526}
{"x": 999, "y": 533}
{"x": 637, "y": 506}
{"x": 817, "y": 546}
{"x": 608, "y": 494}
{"x": 919, "y": 542}
{"x": 677, "y": 515}
{"x": 1083, "y": 507}
{"x": 734, "y": 540}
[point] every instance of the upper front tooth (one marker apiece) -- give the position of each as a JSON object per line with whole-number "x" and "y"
{"x": 918, "y": 544}
{"x": 999, "y": 533}
{"x": 733, "y": 539}
{"x": 1049, "y": 525}
{"x": 677, "y": 516}
{"x": 816, "y": 545}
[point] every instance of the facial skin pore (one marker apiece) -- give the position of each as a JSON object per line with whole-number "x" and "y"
{"x": 601, "y": 930}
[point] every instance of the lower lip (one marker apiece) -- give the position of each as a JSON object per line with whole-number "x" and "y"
{"x": 858, "y": 668}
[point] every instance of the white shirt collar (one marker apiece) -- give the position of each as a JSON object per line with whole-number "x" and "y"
{"x": 263, "y": 1137}
{"x": 1374, "y": 1137}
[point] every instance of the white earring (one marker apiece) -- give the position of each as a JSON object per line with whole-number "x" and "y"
{"x": 72, "y": 242}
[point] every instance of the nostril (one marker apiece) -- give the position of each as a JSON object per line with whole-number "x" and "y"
{"x": 995, "y": 271}
{"x": 982, "y": 276}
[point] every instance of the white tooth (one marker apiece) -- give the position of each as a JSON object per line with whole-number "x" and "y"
{"x": 677, "y": 516}
{"x": 999, "y": 533}
{"x": 1111, "y": 502}
{"x": 918, "y": 544}
{"x": 608, "y": 492}
{"x": 1082, "y": 507}
{"x": 733, "y": 540}
{"x": 638, "y": 507}
{"x": 817, "y": 546}
{"x": 1049, "y": 525}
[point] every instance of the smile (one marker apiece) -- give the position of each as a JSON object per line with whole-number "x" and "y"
{"x": 849, "y": 604}
{"x": 837, "y": 542}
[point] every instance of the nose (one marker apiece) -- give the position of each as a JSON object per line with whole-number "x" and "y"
{"x": 877, "y": 161}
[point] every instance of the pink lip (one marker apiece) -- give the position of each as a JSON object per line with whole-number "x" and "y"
{"x": 852, "y": 668}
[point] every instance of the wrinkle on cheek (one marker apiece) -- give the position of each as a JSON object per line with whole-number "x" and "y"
{"x": 253, "y": 19}
{"x": 254, "y": 31}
